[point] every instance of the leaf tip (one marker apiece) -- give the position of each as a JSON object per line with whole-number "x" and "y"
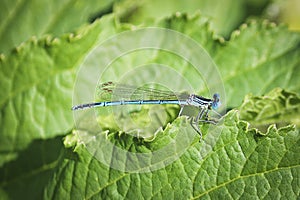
{"x": 243, "y": 26}
{"x": 71, "y": 37}
{"x": 178, "y": 14}
{"x": 2, "y": 57}
{"x": 52, "y": 40}
{"x": 33, "y": 40}
{"x": 20, "y": 48}
{"x": 235, "y": 33}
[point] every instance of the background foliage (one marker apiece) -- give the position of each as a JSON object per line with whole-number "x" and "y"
{"x": 42, "y": 44}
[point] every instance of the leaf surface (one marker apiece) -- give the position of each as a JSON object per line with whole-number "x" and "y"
{"x": 259, "y": 57}
{"x": 230, "y": 166}
{"x": 276, "y": 107}
{"x": 37, "y": 82}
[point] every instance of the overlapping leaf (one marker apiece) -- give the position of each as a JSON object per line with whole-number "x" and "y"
{"x": 276, "y": 107}
{"x": 20, "y": 20}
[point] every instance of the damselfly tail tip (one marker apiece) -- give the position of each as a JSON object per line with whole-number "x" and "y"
{"x": 78, "y": 107}
{"x": 84, "y": 106}
{"x": 74, "y": 108}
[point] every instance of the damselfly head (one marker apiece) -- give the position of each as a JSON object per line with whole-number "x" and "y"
{"x": 216, "y": 101}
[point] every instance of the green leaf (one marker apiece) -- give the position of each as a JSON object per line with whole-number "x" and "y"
{"x": 20, "y": 20}
{"x": 239, "y": 163}
{"x": 36, "y": 87}
{"x": 276, "y": 107}
{"x": 259, "y": 57}
{"x": 225, "y": 16}
{"x": 26, "y": 178}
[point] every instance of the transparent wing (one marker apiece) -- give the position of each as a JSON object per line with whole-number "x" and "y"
{"x": 112, "y": 91}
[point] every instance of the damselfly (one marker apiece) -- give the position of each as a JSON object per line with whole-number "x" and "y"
{"x": 130, "y": 95}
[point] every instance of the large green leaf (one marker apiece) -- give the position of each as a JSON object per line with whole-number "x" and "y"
{"x": 20, "y": 20}
{"x": 37, "y": 82}
{"x": 238, "y": 164}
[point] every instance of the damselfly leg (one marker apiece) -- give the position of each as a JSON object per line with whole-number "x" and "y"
{"x": 202, "y": 116}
